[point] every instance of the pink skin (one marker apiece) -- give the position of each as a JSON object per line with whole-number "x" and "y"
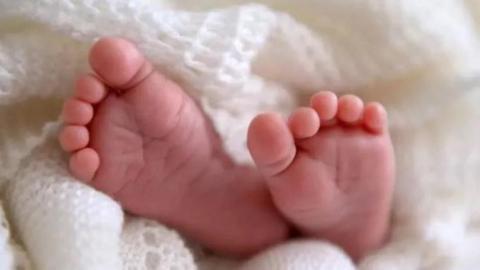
{"x": 333, "y": 182}
{"x": 150, "y": 147}
{"x": 135, "y": 135}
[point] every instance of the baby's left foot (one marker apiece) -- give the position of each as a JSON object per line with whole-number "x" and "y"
{"x": 330, "y": 169}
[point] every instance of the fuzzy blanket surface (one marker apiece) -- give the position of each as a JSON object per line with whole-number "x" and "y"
{"x": 420, "y": 58}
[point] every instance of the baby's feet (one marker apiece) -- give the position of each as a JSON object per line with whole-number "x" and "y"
{"x": 135, "y": 135}
{"x": 330, "y": 169}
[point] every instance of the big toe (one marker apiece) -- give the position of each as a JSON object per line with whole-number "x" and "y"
{"x": 271, "y": 143}
{"x": 118, "y": 62}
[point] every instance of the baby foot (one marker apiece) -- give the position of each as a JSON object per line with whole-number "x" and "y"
{"x": 330, "y": 169}
{"x": 135, "y": 135}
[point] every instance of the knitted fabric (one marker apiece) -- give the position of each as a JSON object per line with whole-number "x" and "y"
{"x": 6, "y": 254}
{"x": 419, "y": 58}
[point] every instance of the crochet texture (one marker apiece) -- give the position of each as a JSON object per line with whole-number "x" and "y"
{"x": 420, "y": 58}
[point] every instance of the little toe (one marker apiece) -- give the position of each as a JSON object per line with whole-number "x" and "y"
{"x": 73, "y": 138}
{"x": 77, "y": 112}
{"x": 375, "y": 117}
{"x": 119, "y": 62}
{"x": 350, "y": 109}
{"x": 89, "y": 89}
{"x": 326, "y": 104}
{"x": 304, "y": 123}
{"x": 84, "y": 164}
{"x": 270, "y": 143}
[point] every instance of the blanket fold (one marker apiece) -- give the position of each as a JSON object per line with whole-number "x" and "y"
{"x": 419, "y": 58}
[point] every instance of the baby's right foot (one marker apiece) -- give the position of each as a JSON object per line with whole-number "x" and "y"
{"x": 330, "y": 170}
{"x": 138, "y": 137}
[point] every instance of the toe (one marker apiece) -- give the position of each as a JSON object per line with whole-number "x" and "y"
{"x": 118, "y": 62}
{"x": 375, "y": 117}
{"x": 84, "y": 164}
{"x": 350, "y": 109}
{"x": 304, "y": 123}
{"x": 73, "y": 138}
{"x": 325, "y": 103}
{"x": 89, "y": 89}
{"x": 77, "y": 112}
{"x": 270, "y": 143}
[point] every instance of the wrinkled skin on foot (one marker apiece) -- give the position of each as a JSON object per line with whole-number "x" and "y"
{"x": 136, "y": 135}
{"x": 330, "y": 169}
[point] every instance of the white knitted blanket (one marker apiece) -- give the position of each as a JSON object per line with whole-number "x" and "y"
{"x": 421, "y": 58}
